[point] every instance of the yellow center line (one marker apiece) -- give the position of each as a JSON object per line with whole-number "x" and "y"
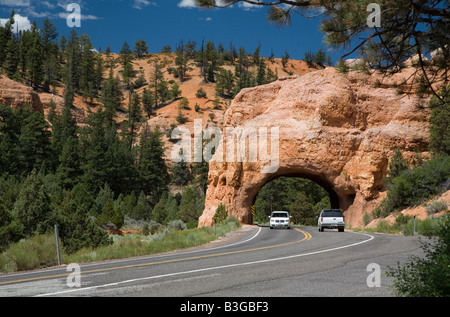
{"x": 306, "y": 234}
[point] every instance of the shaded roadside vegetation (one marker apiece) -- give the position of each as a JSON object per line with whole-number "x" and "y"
{"x": 40, "y": 250}
{"x": 427, "y": 276}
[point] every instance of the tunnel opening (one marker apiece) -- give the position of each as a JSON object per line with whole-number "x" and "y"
{"x": 303, "y": 197}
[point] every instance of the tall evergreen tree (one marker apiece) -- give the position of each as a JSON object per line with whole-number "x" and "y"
{"x": 34, "y": 57}
{"x": 11, "y": 63}
{"x": 111, "y": 96}
{"x": 76, "y": 229}
{"x": 140, "y": 48}
{"x": 32, "y": 207}
{"x": 69, "y": 170}
{"x": 134, "y": 118}
{"x": 126, "y": 58}
{"x": 440, "y": 124}
{"x": 151, "y": 165}
{"x": 148, "y": 101}
{"x": 71, "y": 78}
{"x": 34, "y": 143}
{"x": 191, "y": 206}
{"x": 51, "y": 68}
{"x": 6, "y": 35}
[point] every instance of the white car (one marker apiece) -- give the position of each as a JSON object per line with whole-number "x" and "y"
{"x": 280, "y": 219}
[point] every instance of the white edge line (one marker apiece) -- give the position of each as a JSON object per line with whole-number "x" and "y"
{"x": 211, "y": 268}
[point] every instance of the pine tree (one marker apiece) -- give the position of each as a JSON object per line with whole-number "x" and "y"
{"x": 51, "y": 68}
{"x": 69, "y": 170}
{"x": 159, "y": 213}
{"x": 285, "y": 59}
{"x": 261, "y": 73}
{"x": 111, "y": 96}
{"x": 6, "y": 35}
{"x": 191, "y": 206}
{"x": 134, "y": 118}
{"x": 105, "y": 157}
{"x": 151, "y": 165}
{"x": 11, "y": 62}
{"x": 93, "y": 148}
{"x": 156, "y": 78}
{"x": 71, "y": 78}
{"x": 221, "y": 214}
{"x": 9, "y": 229}
{"x": 32, "y": 207}
{"x": 397, "y": 164}
{"x": 148, "y": 102}
{"x": 224, "y": 83}
{"x": 63, "y": 128}
{"x": 181, "y": 175}
{"x": 142, "y": 210}
{"x": 140, "y": 48}
{"x": 126, "y": 58}
{"x": 256, "y": 55}
{"x": 111, "y": 218}
{"x": 34, "y": 143}
{"x": 440, "y": 125}
{"x": 87, "y": 67}
{"x": 76, "y": 229}
{"x": 181, "y": 61}
{"x": 10, "y": 127}
{"x": 34, "y": 57}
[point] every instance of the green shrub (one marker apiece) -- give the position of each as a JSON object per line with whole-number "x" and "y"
{"x": 35, "y": 252}
{"x": 201, "y": 93}
{"x": 177, "y": 225}
{"x": 436, "y": 207}
{"x": 414, "y": 186}
{"x": 427, "y": 276}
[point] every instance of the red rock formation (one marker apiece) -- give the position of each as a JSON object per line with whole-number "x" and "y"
{"x": 16, "y": 95}
{"x": 338, "y": 130}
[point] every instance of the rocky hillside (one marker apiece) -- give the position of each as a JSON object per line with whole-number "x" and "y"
{"x": 212, "y": 106}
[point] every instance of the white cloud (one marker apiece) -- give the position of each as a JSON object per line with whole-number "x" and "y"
{"x": 20, "y": 23}
{"x": 139, "y": 4}
{"x": 48, "y": 4}
{"x": 187, "y": 4}
{"x": 64, "y": 15}
{"x": 15, "y": 3}
{"x": 248, "y": 6}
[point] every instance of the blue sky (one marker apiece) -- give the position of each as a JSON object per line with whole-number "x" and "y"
{"x": 162, "y": 22}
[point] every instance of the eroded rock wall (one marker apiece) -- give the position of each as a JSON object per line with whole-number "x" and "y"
{"x": 339, "y": 130}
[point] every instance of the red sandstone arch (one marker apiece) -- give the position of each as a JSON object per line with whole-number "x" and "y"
{"x": 337, "y": 130}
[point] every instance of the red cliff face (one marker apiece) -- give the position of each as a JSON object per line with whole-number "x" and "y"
{"x": 338, "y": 130}
{"x": 16, "y": 95}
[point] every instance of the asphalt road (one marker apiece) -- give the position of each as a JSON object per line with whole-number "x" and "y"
{"x": 257, "y": 262}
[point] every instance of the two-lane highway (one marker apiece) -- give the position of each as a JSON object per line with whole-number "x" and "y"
{"x": 262, "y": 262}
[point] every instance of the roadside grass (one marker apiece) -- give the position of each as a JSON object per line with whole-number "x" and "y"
{"x": 40, "y": 251}
{"x": 405, "y": 225}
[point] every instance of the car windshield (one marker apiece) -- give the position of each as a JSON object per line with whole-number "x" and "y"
{"x": 280, "y": 214}
{"x": 332, "y": 213}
